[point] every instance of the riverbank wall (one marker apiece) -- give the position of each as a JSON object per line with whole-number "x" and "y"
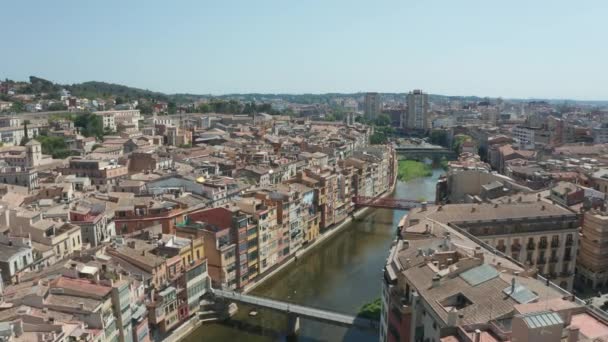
{"x": 188, "y": 327}
{"x": 328, "y": 234}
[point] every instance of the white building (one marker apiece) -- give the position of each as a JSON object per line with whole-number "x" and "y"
{"x": 525, "y": 136}
{"x": 417, "y": 111}
{"x": 600, "y": 134}
{"x": 114, "y": 118}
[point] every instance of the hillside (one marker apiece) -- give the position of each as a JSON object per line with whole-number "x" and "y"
{"x": 94, "y": 89}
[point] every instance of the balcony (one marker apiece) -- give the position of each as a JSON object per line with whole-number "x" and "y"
{"x": 501, "y": 248}
{"x": 542, "y": 245}
{"x": 569, "y": 242}
{"x": 530, "y": 247}
{"x": 553, "y": 259}
{"x": 541, "y": 261}
{"x": 565, "y": 274}
{"x": 515, "y": 248}
{"x": 554, "y": 243}
{"x": 567, "y": 257}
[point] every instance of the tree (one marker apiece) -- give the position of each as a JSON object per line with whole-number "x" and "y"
{"x": 18, "y": 107}
{"x": 57, "y": 106}
{"x": 439, "y": 137}
{"x": 330, "y": 117}
{"x": 172, "y": 107}
{"x": 459, "y": 140}
{"x": 378, "y": 138}
{"x": 383, "y": 120}
{"x": 144, "y": 107}
{"x": 90, "y": 125}
{"x": 204, "y": 108}
{"x": 26, "y": 135}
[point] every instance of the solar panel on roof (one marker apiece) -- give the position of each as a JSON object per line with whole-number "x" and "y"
{"x": 521, "y": 294}
{"x": 479, "y": 274}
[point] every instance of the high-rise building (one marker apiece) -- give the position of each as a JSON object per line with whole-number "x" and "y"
{"x": 372, "y": 105}
{"x": 591, "y": 263}
{"x": 417, "y": 110}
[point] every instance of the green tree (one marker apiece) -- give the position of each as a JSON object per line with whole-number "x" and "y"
{"x": 57, "y": 106}
{"x": 378, "y": 138}
{"x": 144, "y": 107}
{"x": 459, "y": 140}
{"x": 439, "y": 137}
{"x": 26, "y": 135}
{"x": 204, "y": 108}
{"x": 330, "y": 117}
{"x": 90, "y": 125}
{"x": 172, "y": 107}
{"x": 18, "y": 107}
{"x": 383, "y": 120}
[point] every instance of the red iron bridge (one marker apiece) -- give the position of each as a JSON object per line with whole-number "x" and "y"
{"x": 387, "y": 203}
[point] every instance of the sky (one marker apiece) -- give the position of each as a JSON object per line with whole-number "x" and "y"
{"x": 514, "y": 49}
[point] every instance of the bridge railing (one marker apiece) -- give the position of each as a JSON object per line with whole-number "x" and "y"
{"x": 390, "y": 203}
{"x": 314, "y": 313}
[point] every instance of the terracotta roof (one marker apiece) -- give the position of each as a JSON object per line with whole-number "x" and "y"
{"x": 81, "y": 286}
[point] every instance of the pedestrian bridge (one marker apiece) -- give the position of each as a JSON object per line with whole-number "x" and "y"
{"x": 295, "y": 311}
{"x": 430, "y": 151}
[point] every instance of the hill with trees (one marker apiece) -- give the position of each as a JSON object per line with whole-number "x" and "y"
{"x": 94, "y": 89}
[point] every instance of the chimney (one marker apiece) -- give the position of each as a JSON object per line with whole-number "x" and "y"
{"x": 81, "y": 306}
{"x": 477, "y": 335}
{"x": 472, "y": 209}
{"x": 512, "y": 286}
{"x": 423, "y": 205}
{"x": 573, "y": 331}
{"x": 543, "y": 207}
{"x": 436, "y": 279}
{"x": 452, "y": 317}
{"x": 143, "y": 253}
{"x": 495, "y": 205}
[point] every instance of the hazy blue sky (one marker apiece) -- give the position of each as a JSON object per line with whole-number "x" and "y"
{"x": 533, "y": 48}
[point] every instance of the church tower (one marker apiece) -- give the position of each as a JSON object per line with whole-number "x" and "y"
{"x": 33, "y": 151}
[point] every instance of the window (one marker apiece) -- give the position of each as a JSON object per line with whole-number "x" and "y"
{"x": 569, "y": 239}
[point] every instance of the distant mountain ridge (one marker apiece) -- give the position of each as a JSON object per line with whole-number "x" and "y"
{"x": 97, "y": 89}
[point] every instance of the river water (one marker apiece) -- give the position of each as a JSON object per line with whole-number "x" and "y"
{"x": 341, "y": 274}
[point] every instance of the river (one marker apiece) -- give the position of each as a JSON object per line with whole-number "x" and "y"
{"x": 341, "y": 274}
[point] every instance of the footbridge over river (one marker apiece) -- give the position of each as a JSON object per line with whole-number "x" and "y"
{"x": 421, "y": 151}
{"x": 295, "y": 311}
